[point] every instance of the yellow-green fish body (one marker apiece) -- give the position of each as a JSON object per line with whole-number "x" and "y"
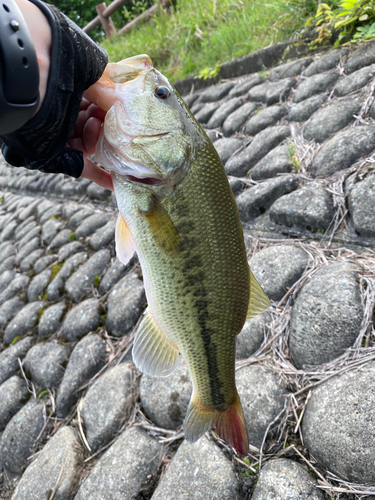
{"x": 178, "y": 212}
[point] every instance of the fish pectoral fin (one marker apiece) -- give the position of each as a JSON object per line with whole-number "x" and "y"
{"x": 125, "y": 246}
{"x": 259, "y": 301}
{"x": 153, "y": 354}
{"x": 229, "y": 424}
{"x": 162, "y": 228}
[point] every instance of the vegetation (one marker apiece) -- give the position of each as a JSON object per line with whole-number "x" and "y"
{"x": 200, "y": 34}
{"x": 196, "y": 36}
{"x": 83, "y": 12}
{"x": 351, "y": 20}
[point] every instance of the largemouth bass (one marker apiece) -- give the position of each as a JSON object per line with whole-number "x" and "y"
{"x": 177, "y": 211}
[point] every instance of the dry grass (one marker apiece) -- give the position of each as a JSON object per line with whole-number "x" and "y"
{"x": 274, "y": 355}
{"x": 283, "y": 437}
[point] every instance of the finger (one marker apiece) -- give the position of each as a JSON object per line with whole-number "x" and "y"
{"x": 90, "y": 135}
{"x": 97, "y": 174}
{"x": 92, "y": 111}
{"x": 85, "y": 103}
{"x": 77, "y": 143}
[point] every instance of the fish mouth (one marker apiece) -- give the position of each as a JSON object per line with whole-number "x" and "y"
{"x": 149, "y": 181}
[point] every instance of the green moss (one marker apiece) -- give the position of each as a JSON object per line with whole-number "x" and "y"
{"x": 96, "y": 281}
{"x": 293, "y": 156}
{"x": 45, "y": 297}
{"x": 316, "y": 230}
{"x": 72, "y": 236}
{"x": 41, "y": 312}
{"x": 55, "y": 269}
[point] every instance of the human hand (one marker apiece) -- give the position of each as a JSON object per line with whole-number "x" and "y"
{"x": 65, "y": 129}
{"x": 85, "y": 136}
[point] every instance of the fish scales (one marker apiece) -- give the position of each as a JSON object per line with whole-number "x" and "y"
{"x": 177, "y": 211}
{"x": 208, "y": 297}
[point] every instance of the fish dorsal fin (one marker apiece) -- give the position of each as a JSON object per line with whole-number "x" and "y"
{"x": 129, "y": 69}
{"x": 153, "y": 354}
{"x": 125, "y": 246}
{"x": 162, "y": 228}
{"x": 142, "y": 61}
{"x": 259, "y": 301}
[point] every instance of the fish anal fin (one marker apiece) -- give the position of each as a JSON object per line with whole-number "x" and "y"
{"x": 153, "y": 354}
{"x": 230, "y": 424}
{"x": 125, "y": 246}
{"x": 198, "y": 420}
{"x": 162, "y": 228}
{"x": 259, "y": 301}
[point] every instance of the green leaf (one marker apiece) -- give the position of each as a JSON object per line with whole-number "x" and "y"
{"x": 320, "y": 22}
{"x": 345, "y": 22}
{"x": 42, "y": 393}
{"x": 16, "y": 339}
{"x": 348, "y": 4}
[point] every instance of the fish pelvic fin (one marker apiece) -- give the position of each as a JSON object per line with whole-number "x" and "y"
{"x": 153, "y": 353}
{"x": 125, "y": 246}
{"x": 230, "y": 424}
{"x": 259, "y": 301}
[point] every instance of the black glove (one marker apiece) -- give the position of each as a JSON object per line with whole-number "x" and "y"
{"x": 76, "y": 64}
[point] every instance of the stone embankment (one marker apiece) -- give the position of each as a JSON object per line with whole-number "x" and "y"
{"x": 77, "y": 420}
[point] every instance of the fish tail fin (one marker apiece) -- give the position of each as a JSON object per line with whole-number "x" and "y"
{"x": 231, "y": 427}
{"x": 230, "y": 424}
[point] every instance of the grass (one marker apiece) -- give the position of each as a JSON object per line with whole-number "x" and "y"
{"x": 201, "y": 34}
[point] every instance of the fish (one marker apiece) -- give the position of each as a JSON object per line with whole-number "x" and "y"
{"x": 178, "y": 213}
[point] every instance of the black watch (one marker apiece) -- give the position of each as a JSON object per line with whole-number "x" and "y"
{"x": 18, "y": 64}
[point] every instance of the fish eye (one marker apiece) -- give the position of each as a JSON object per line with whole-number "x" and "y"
{"x": 162, "y": 92}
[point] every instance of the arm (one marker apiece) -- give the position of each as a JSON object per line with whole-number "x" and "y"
{"x": 64, "y": 128}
